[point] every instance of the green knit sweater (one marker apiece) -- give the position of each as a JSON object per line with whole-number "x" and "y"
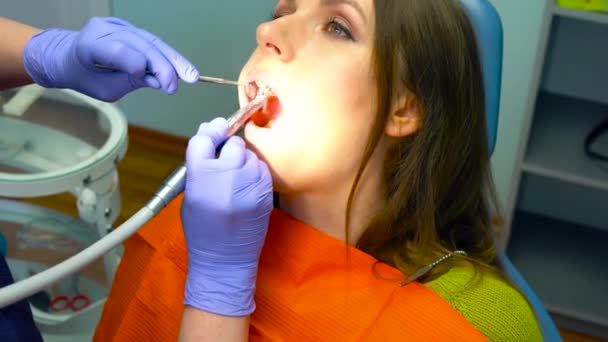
{"x": 495, "y": 308}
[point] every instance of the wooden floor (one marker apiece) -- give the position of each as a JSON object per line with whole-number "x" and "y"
{"x": 150, "y": 158}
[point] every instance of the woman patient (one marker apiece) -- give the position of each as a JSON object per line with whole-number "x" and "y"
{"x": 375, "y": 146}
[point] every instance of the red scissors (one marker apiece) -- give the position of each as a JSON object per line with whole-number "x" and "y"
{"x": 76, "y": 303}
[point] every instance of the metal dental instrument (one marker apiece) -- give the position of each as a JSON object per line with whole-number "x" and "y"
{"x": 171, "y": 187}
{"x": 202, "y": 79}
{"x": 237, "y": 120}
{"x": 215, "y": 80}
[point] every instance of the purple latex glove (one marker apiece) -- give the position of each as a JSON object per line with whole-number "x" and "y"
{"x": 57, "y": 58}
{"x": 225, "y": 213}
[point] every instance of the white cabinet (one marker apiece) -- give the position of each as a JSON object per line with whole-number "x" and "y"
{"x": 559, "y": 214}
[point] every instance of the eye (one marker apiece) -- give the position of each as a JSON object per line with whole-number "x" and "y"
{"x": 275, "y": 15}
{"x": 339, "y": 29}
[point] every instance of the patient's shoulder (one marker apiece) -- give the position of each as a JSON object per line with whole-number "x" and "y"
{"x": 491, "y": 304}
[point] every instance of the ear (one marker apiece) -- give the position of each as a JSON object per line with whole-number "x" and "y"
{"x": 405, "y": 118}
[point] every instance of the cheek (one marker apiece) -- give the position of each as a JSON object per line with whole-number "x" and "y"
{"x": 352, "y": 107}
{"x": 331, "y": 131}
{"x": 339, "y": 106}
{"x": 329, "y": 110}
{"x": 360, "y": 91}
{"x": 350, "y": 88}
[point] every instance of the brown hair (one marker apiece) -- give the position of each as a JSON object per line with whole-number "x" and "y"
{"x": 437, "y": 181}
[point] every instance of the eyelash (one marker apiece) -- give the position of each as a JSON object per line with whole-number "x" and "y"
{"x": 333, "y": 22}
{"x": 346, "y": 33}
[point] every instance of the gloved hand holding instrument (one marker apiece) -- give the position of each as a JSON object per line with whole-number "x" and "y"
{"x": 58, "y": 58}
{"x": 225, "y": 214}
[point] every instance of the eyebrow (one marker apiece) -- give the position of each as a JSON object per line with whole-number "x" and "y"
{"x": 351, "y": 3}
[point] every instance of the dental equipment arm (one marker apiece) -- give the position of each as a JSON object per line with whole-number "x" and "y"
{"x": 201, "y": 78}
{"x": 171, "y": 187}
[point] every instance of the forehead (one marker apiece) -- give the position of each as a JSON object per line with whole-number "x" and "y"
{"x": 364, "y": 6}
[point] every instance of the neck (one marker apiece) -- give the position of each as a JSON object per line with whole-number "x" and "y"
{"x": 325, "y": 209}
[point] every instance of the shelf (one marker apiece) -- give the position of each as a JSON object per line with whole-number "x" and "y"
{"x": 596, "y": 17}
{"x": 575, "y": 60}
{"x": 556, "y": 144}
{"x": 566, "y": 266}
{"x": 564, "y": 201}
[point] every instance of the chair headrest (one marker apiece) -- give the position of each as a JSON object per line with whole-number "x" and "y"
{"x": 488, "y": 29}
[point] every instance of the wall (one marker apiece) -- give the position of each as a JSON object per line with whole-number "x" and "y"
{"x": 70, "y": 14}
{"x": 522, "y": 21}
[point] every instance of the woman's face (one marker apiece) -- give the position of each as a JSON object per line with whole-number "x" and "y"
{"x": 316, "y": 57}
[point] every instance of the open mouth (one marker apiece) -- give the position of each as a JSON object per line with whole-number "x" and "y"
{"x": 269, "y": 113}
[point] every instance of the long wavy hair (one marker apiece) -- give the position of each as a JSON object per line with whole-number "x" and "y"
{"x": 437, "y": 187}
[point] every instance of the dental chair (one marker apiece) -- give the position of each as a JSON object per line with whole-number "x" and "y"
{"x": 488, "y": 28}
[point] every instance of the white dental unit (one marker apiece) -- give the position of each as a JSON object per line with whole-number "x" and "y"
{"x": 52, "y": 142}
{"x": 73, "y": 148}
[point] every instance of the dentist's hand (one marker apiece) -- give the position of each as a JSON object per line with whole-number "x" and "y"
{"x": 57, "y": 58}
{"x": 225, "y": 213}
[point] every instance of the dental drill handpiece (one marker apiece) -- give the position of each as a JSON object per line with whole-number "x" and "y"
{"x": 176, "y": 182}
{"x": 171, "y": 187}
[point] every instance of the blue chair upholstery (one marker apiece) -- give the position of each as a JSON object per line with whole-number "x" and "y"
{"x": 488, "y": 29}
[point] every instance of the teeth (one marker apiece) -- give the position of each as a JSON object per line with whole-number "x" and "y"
{"x": 257, "y": 88}
{"x": 262, "y": 88}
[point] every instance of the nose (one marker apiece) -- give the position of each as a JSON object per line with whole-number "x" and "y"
{"x": 273, "y": 39}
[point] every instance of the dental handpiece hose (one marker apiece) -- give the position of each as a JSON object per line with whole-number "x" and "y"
{"x": 171, "y": 187}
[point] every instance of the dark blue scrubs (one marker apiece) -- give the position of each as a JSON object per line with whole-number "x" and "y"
{"x": 16, "y": 321}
